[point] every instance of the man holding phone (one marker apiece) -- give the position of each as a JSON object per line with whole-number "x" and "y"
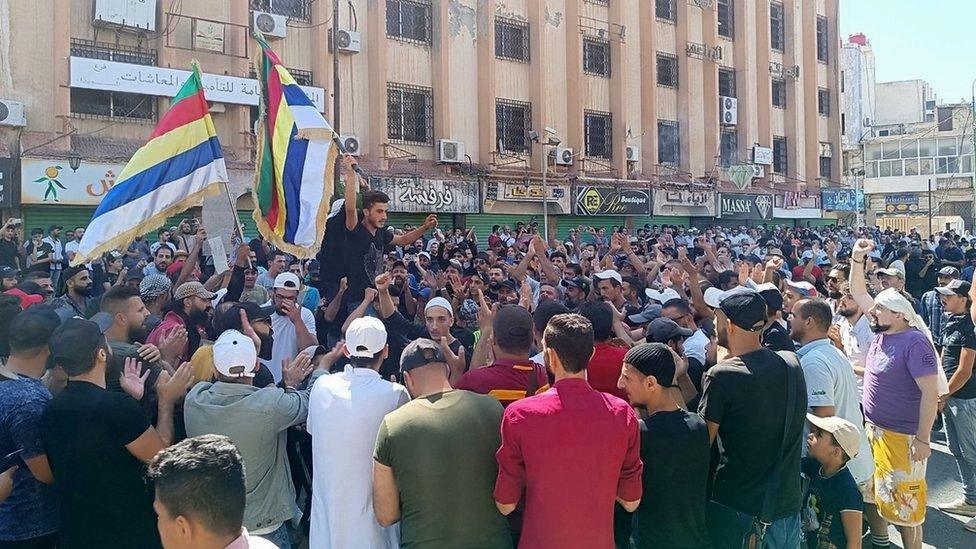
{"x": 9, "y": 246}
{"x": 292, "y": 326}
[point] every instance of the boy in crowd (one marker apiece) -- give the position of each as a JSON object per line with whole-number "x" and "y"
{"x": 832, "y": 503}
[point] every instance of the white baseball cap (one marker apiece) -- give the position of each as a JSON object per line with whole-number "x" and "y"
{"x": 609, "y": 274}
{"x": 662, "y": 297}
{"x": 235, "y": 355}
{"x": 439, "y": 302}
{"x": 287, "y": 281}
{"x": 365, "y": 337}
{"x": 714, "y": 297}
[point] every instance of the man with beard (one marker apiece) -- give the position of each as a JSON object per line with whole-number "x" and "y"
{"x": 855, "y": 333}
{"x": 577, "y": 288}
{"x": 76, "y": 300}
{"x": 42, "y": 279}
{"x": 931, "y": 306}
{"x": 162, "y": 259}
{"x": 189, "y": 309}
{"x": 836, "y": 279}
{"x": 293, "y": 326}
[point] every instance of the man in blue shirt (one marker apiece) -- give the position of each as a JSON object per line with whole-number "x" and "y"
{"x": 931, "y": 305}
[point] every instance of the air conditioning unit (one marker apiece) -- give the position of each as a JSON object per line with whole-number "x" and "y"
{"x": 12, "y": 113}
{"x": 450, "y": 152}
{"x": 351, "y": 144}
{"x": 729, "y": 111}
{"x": 758, "y": 171}
{"x": 563, "y": 156}
{"x": 349, "y": 41}
{"x": 633, "y": 154}
{"x": 270, "y": 25}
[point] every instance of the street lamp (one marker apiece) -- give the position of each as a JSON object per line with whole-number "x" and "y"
{"x": 74, "y": 161}
{"x": 550, "y": 141}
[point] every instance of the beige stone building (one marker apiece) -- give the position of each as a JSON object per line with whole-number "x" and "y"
{"x": 657, "y": 97}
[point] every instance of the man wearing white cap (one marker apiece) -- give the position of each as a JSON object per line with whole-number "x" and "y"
{"x": 345, "y": 412}
{"x": 610, "y": 285}
{"x": 292, "y": 326}
{"x": 256, "y": 420}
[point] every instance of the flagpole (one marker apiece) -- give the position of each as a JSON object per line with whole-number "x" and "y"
{"x": 237, "y": 220}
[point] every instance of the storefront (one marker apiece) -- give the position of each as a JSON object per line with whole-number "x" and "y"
{"x": 412, "y": 199}
{"x": 684, "y": 203}
{"x": 797, "y": 209}
{"x": 746, "y": 207}
{"x": 603, "y": 203}
{"x": 511, "y": 201}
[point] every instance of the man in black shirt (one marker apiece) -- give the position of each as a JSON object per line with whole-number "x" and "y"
{"x": 367, "y": 240}
{"x": 9, "y": 246}
{"x": 775, "y": 336}
{"x": 99, "y": 441}
{"x": 675, "y": 452}
{"x": 751, "y": 428}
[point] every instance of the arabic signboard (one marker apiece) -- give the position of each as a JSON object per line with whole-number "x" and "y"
{"x": 6, "y": 182}
{"x": 762, "y": 155}
{"x": 53, "y": 182}
{"x": 841, "y": 200}
{"x": 612, "y": 201}
{"x": 684, "y": 202}
{"x": 901, "y": 202}
{"x": 97, "y": 74}
{"x": 784, "y": 71}
{"x": 703, "y": 51}
{"x": 415, "y": 195}
{"x": 745, "y": 206}
{"x": 525, "y": 197}
{"x": 208, "y": 35}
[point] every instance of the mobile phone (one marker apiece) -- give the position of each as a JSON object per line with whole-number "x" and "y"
{"x": 11, "y": 459}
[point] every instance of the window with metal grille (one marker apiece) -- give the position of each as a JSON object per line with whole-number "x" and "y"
{"x": 598, "y": 127}
{"x": 823, "y": 101}
{"x": 726, "y": 82}
{"x": 668, "y": 143}
{"x": 112, "y": 52}
{"x": 666, "y": 9}
{"x": 408, "y": 20}
{"x": 780, "y": 155}
{"x": 513, "y": 119}
{"x": 293, "y": 9}
{"x": 823, "y": 44}
{"x": 825, "y": 166}
{"x": 99, "y": 103}
{"x": 596, "y": 57}
{"x": 728, "y": 148}
{"x": 410, "y": 114}
{"x": 302, "y": 77}
{"x": 511, "y": 39}
{"x": 779, "y": 93}
{"x": 667, "y": 70}
{"x": 777, "y": 26}
{"x": 726, "y": 18}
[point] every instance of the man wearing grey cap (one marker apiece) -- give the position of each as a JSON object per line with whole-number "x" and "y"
{"x": 931, "y": 309}
{"x": 434, "y": 464}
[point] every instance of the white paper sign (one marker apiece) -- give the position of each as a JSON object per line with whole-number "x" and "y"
{"x": 97, "y": 74}
{"x": 219, "y": 255}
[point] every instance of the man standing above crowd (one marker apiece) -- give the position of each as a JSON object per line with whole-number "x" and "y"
{"x": 277, "y": 264}
{"x": 9, "y": 246}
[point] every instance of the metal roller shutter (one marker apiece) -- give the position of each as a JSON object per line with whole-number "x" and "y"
{"x": 396, "y": 220}
{"x": 68, "y": 217}
{"x": 483, "y": 223}
{"x": 639, "y": 222}
{"x": 566, "y": 222}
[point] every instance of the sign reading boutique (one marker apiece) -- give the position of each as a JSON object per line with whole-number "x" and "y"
{"x": 612, "y": 201}
{"x": 745, "y": 206}
{"x": 415, "y": 195}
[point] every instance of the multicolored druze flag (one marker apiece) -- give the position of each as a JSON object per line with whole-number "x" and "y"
{"x": 296, "y": 162}
{"x": 181, "y": 162}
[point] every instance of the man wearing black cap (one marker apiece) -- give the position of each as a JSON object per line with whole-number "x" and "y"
{"x": 98, "y": 443}
{"x": 775, "y": 336}
{"x": 76, "y": 299}
{"x": 9, "y": 244}
{"x": 57, "y": 258}
{"x": 8, "y": 278}
{"x": 434, "y": 466}
{"x": 752, "y": 429}
{"x": 930, "y": 306}
{"x": 674, "y": 449}
{"x": 577, "y": 289}
{"x": 669, "y": 333}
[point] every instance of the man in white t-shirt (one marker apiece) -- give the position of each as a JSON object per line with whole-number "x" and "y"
{"x": 855, "y": 334}
{"x": 292, "y": 326}
{"x": 345, "y": 412}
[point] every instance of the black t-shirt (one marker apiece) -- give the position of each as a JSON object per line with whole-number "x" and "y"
{"x": 675, "y": 452}
{"x": 825, "y": 500}
{"x": 957, "y": 333}
{"x": 8, "y": 253}
{"x": 751, "y": 429}
{"x": 776, "y": 338}
{"x": 364, "y": 252}
{"x": 105, "y": 498}
{"x": 332, "y": 257}
{"x": 39, "y": 253}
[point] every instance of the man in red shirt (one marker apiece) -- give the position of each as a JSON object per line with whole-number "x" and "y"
{"x": 603, "y": 371}
{"x": 573, "y": 451}
{"x": 513, "y": 375}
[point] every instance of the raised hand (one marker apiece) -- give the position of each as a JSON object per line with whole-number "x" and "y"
{"x": 131, "y": 381}
{"x": 294, "y": 373}
{"x": 861, "y": 249}
{"x": 248, "y": 330}
{"x": 455, "y": 361}
{"x": 172, "y": 344}
{"x": 173, "y": 389}
{"x": 430, "y": 222}
{"x": 370, "y": 295}
{"x": 383, "y": 282}
{"x": 149, "y": 352}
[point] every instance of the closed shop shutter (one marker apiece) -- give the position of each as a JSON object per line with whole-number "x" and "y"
{"x": 250, "y": 227}
{"x": 566, "y": 222}
{"x": 482, "y": 224}
{"x": 397, "y": 220}
{"x": 68, "y": 217}
{"x": 639, "y": 222}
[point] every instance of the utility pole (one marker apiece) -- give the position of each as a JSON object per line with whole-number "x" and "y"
{"x": 334, "y": 39}
{"x": 930, "y": 206}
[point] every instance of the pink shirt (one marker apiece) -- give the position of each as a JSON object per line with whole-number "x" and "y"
{"x": 247, "y": 541}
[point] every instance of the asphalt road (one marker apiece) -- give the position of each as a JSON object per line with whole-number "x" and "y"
{"x": 942, "y": 530}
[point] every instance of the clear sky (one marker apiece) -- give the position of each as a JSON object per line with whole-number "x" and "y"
{"x": 934, "y": 40}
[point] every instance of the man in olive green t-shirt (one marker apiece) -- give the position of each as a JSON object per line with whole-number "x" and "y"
{"x": 434, "y": 466}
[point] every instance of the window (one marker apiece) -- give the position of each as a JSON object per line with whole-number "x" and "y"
{"x": 825, "y": 165}
{"x": 925, "y": 166}
{"x": 891, "y": 150}
{"x": 909, "y": 149}
{"x": 946, "y": 165}
{"x": 871, "y": 169}
{"x": 779, "y": 93}
{"x": 668, "y": 142}
{"x": 596, "y": 57}
{"x": 112, "y": 52}
{"x": 512, "y": 123}
{"x": 511, "y": 40}
{"x": 823, "y": 102}
{"x": 777, "y": 26}
{"x": 926, "y": 147}
{"x": 728, "y": 148}
{"x": 884, "y": 133}
{"x": 843, "y": 123}
{"x": 410, "y": 114}
{"x": 841, "y": 81}
{"x": 112, "y": 104}
{"x": 598, "y": 127}
{"x": 945, "y": 119}
{"x": 666, "y": 10}
{"x": 823, "y": 44}
{"x": 726, "y": 19}
{"x": 408, "y": 20}
{"x": 667, "y": 70}
{"x": 293, "y": 9}
{"x": 726, "y": 82}
{"x": 872, "y": 151}
{"x": 911, "y": 166}
{"x": 780, "y": 156}
{"x": 947, "y": 147}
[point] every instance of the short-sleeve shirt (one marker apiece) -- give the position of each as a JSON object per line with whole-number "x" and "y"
{"x": 891, "y": 395}
{"x": 9, "y": 257}
{"x": 776, "y": 338}
{"x": 32, "y": 509}
{"x": 39, "y": 253}
{"x": 570, "y": 493}
{"x": 105, "y": 498}
{"x": 506, "y": 380}
{"x": 603, "y": 370}
{"x": 285, "y": 338}
{"x": 441, "y": 448}
{"x": 957, "y": 334}
{"x": 827, "y": 498}
{"x": 364, "y": 252}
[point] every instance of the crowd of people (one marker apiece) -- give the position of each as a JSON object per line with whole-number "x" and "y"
{"x": 662, "y": 387}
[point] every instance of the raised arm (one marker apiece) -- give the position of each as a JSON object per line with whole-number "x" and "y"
{"x": 859, "y": 286}
{"x": 409, "y": 238}
{"x": 352, "y": 185}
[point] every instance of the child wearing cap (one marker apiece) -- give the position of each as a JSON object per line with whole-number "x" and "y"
{"x": 833, "y": 504}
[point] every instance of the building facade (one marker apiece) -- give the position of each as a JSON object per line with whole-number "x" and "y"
{"x": 648, "y": 98}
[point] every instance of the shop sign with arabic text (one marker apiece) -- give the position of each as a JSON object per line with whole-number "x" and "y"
{"x": 415, "y": 195}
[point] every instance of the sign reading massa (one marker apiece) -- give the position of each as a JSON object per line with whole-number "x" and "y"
{"x": 745, "y": 206}
{"x": 612, "y": 201}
